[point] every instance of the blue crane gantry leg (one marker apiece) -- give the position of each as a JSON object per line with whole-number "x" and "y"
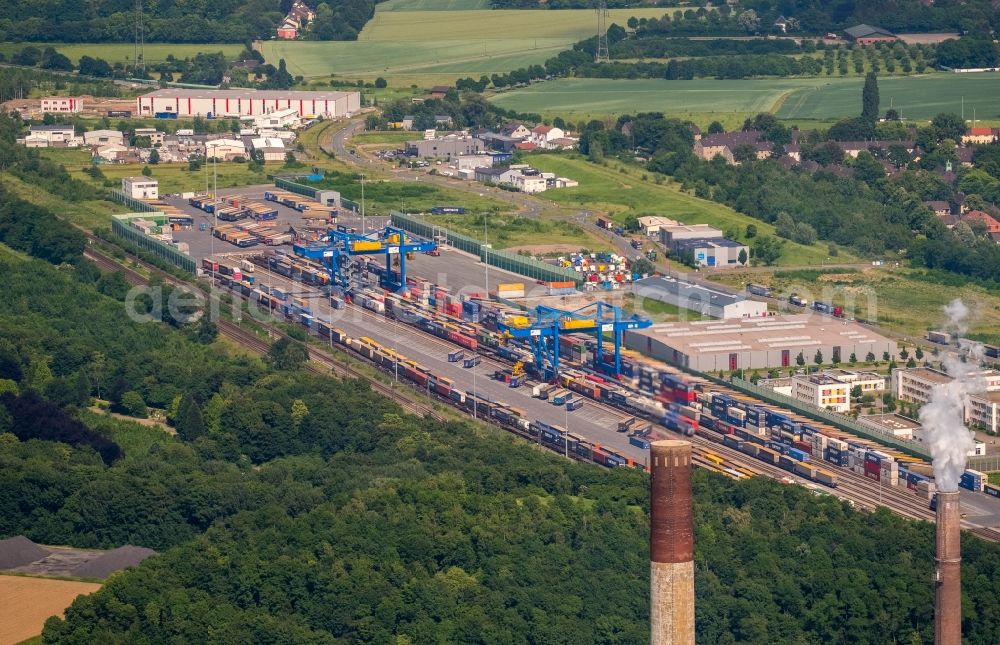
{"x": 342, "y": 244}
{"x": 599, "y": 318}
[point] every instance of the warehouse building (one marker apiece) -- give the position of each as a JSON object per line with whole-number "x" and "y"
{"x": 181, "y": 102}
{"x": 64, "y": 104}
{"x": 717, "y": 253}
{"x": 704, "y": 300}
{"x": 756, "y": 343}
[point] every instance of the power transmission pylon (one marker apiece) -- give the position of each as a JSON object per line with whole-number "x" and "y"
{"x": 602, "y": 33}
{"x": 139, "y": 55}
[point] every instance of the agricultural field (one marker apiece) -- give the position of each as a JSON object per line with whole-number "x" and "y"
{"x": 422, "y": 46}
{"x": 901, "y": 299}
{"x": 916, "y": 97}
{"x": 28, "y": 602}
{"x": 703, "y": 100}
{"x": 625, "y": 192}
{"x": 124, "y": 52}
{"x": 434, "y": 5}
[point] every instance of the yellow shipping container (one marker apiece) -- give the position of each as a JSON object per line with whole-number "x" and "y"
{"x": 366, "y": 246}
{"x": 510, "y": 286}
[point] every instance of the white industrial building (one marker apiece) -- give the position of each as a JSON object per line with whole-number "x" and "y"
{"x": 756, "y": 343}
{"x": 269, "y": 149}
{"x": 706, "y": 301}
{"x": 181, "y": 102}
{"x": 46, "y": 136}
{"x": 286, "y": 118}
{"x": 225, "y": 149}
{"x": 822, "y": 391}
{"x": 141, "y": 187}
{"x": 63, "y": 104}
{"x": 104, "y": 138}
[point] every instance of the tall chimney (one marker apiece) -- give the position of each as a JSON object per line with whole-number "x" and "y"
{"x": 948, "y": 601}
{"x": 671, "y": 544}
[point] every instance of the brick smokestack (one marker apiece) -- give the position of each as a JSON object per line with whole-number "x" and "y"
{"x": 671, "y": 544}
{"x": 948, "y": 601}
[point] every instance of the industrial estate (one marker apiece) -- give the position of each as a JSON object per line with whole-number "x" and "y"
{"x": 304, "y": 352}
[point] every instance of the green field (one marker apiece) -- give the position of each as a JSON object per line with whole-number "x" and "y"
{"x": 899, "y": 300}
{"x": 433, "y": 5}
{"x": 123, "y": 52}
{"x": 919, "y": 97}
{"x": 626, "y": 193}
{"x": 424, "y": 42}
{"x": 916, "y": 97}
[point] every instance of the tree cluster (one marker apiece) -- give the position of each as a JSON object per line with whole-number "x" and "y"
{"x": 299, "y": 508}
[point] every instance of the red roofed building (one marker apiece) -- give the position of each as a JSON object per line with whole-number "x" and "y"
{"x": 526, "y": 146}
{"x": 992, "y": 225}
{"x": 979, "y": 135}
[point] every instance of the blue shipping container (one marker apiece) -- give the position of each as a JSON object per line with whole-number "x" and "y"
{"x": 800, "y": 455}
{"x": 639, "y": 442}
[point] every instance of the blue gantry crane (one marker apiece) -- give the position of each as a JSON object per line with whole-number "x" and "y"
{"x": 542, "y": 333}
{"x": 339, "y": 245}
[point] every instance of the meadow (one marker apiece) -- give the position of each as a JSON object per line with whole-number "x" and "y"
{"x": 622, "y": 191}
{"x": 124, "y": 52}
{"x": 904, "y": 300}
{"x": 424, "y": 42}
{"x": 919, "y": 97}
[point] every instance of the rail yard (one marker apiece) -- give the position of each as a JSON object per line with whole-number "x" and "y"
{"x": 450, "y": 349}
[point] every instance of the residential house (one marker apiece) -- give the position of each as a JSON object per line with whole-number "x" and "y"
{"x": 520, "y": 177}
{"x": 853, "y": 148}
{"x": 299, "y": 14}
{"x": 439, "y": 91}
{"x": 781, "y": 24}
{"x": 563, "y": 143}
{"x": 103, "y": 138}
{"x": 992, "y": 225}
{"x": 979, "y": 136}
{"x": 869, "y": 35}
{"x": 525, "y": 146}
{"x": 941, "y": 208}
{"x": 407, "y": 122}
{"x": 724, "y": 144}
{"x": 543, "y": 135}
{"x": 442, "y": 120}
{"x": 515, "y": 130}
{"x": 269, "y": 149}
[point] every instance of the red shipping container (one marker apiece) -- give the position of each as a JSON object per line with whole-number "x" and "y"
{"x": 872, "y": 471}
{"x": 804, "y": 446}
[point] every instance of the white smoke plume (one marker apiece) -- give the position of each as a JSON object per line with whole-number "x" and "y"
{"x": 942, "y": 418}
{"x": 957, "y": 314}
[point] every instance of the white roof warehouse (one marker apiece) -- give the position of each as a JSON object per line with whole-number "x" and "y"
{"x": 183, "y": 102}
{"x": 755, "y": 343}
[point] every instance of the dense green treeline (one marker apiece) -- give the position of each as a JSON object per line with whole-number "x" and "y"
{"x": 852, "y": 202}
{"x": 175, "y": 21}
{"x": 311, "y": 510}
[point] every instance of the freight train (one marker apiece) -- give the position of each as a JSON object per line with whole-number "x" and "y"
{"x": 646, "y": 390}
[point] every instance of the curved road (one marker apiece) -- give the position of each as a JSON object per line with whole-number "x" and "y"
{"x": 337, "y": 145}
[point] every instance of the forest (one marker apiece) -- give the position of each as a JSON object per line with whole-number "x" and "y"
{"x": 863, "y": 208}
{"x": 173, "y": 21}
{"x": 298, "y": 508}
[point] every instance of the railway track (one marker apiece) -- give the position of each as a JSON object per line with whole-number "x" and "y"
{"x": 852, "y": 487}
